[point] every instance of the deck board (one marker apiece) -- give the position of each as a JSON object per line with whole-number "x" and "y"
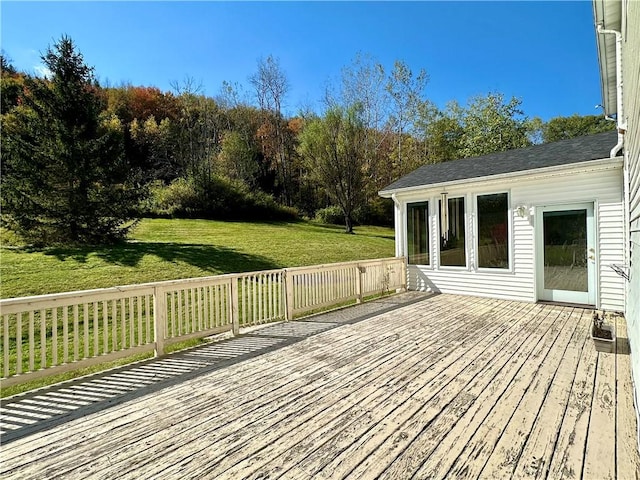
{"x": 627, "y": 461}
{"x": 445, "y": 439}
{"x": 448, "y": 387}
{"x": 378, "y": 418}
{"x": 539, "y": 444}
{"x": 477, "y": 451}
{"x": 600, "y": 453}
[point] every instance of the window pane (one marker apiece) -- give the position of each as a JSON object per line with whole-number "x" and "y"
{"x": 565, "y": 250}
{"x": 452, "y": 251}
{"x": 493, "y": 231}
{"x": 418, "y": 233}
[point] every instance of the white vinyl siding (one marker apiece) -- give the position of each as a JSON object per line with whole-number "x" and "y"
{"x": 631, "y": 99}
{"x": 601, "y": 185}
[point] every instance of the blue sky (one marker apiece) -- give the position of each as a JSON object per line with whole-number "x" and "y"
{"x": 541, "y": 52}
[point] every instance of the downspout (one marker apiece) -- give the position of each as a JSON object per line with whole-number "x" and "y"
{"x": 622, "y": 124}
{"x": 622, "y": 128}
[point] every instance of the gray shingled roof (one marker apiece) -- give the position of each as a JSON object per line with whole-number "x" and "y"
{"x": 574, "y": 150}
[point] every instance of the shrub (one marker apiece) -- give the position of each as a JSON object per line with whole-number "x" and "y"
{"x": 217, "y": 198}
{"x": 331, "y": 215}
{"x": 377, "y": 212}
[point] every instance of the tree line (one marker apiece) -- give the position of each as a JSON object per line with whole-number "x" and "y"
{"x": 81, "y": 162}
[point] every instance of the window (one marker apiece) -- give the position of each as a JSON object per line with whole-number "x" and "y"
{"x": 452, "y": 233}
{"x": 418, "y": 233}
{"x": 493, "y": 231}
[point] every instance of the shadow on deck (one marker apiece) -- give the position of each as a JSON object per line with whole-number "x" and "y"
{"x": 48, "y": 407}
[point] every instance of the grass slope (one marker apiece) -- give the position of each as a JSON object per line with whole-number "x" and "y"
{"x": 162, "y": 249}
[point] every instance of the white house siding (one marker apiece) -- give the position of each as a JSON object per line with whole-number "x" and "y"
{"x": 631, "y": 99}
{"x": 601, "y": 185}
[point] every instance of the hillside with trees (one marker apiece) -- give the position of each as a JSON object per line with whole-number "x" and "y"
{"x": 81, "y": 162}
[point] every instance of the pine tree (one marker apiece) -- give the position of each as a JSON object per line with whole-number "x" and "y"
{"x": 65, "y": 177}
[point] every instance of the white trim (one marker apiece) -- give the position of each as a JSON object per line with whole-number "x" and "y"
{"x": 510, "y": 233}
{"x": 532, "y": 174}
{"x": 405, "y": 223}
{"x": 465, "y": 267}
{"x": 591, "y": 296}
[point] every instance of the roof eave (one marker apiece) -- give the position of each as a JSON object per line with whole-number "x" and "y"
{"x": 605, "y": 162}
{"x": 608, "y": 13}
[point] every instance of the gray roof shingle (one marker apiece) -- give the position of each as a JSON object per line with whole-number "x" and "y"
{"x": 574, "y": 150}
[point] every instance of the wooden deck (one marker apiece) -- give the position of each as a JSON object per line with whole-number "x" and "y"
{"x": 444, "y": 387}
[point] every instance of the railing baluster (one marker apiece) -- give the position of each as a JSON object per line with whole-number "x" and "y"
{"x": 198, "y": 309}
{"x": 123, "y": 324}
{"x": 43, "y": 339}
{"x": 245, "y": 298}
{"x": 139, "y": 305}
{"x": 85, "y": 324}
{"x": 96, "y": 329}
{"x": 272, "y": 296}
{"x": 180, "y": 329}
{"x": 173, "y": 314}
{"x": 105, "y": 327}
{"x": 19, "y": 358}
{"x": 213, "y": 306}
{"x": 131, "y": 324}
{"x": 205, "y": 307}
{"x": 255, "y": 298}
{"x": 65, "y": 334}
{"x": 190, "y": 316}
{"x": 5, "y": 342}
{"x": 76, "y": 333}
{"x": 114, "y": 326}
{"x": 54, "y": 336}
{"x": 147, "y": 318}
{"x": 260, "y": 284}
{"x": 31, "y": 342}
{"x": 304, "y": 285}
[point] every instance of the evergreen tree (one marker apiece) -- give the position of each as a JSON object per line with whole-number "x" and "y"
{"x": 65, "y": 177}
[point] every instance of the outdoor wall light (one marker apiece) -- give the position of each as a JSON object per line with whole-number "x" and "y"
{"x": 522, "y": 211}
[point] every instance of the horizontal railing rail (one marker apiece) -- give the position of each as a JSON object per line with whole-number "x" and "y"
{"x": 50, "y": 334}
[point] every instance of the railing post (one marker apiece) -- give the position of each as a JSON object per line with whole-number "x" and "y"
{"x": 404, "y": 274}
{"x": 288, "y": 295}
{"x": 234, "y": 314}
{"x": 159, "y": 319}
{"x": 360, "y": 269}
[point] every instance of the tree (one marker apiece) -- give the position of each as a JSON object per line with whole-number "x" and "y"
{"x": 11, "y": 84}
{"x": 439, "y": 131}
{"x": 333, "y": 148}
{"x": 406, "y": 92}
{"x": 237, "y": 159}
{"x": 152, "y": 145}
{"x": 65, "y": 177}
{"x": 271, "y": 87}
{"x": 363, "y": 83}
{"x": 490, "y": 125}
{"x": 561, "y": 128}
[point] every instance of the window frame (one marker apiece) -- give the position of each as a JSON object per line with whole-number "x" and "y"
{"x": 466, "y": 266}
{"x": 476, "y": 233}
{"x": 426, "y": 202}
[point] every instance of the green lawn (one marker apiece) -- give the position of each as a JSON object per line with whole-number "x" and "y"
{"x": 170, "y": 249}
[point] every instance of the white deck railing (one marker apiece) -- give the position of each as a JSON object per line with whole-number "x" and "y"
{"x": 49, "y": 334}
